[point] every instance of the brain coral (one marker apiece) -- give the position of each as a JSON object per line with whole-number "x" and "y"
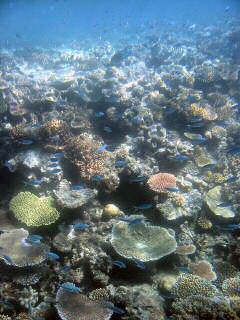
{"x": 17, "y": 252}
{"x": 141, "y": 241}
{"x": 76, "y": 306}
{"x": 33, "y": 211}
{"x": 161, "y": 181}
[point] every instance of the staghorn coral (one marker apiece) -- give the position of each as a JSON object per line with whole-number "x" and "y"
{"x": 21, "y": 253}
{"x": 33, "y": 211}
{"x": 203, "y": 269}
{"x": 141, "y": 241}
{"x": 82, "y": 151}
{"x": 206, "y": 113}
{"x": 189, "y": 284}
{"x": 76, "y": 306}
{"x": 204, "y": 223}
{"x": 161, "y": 181}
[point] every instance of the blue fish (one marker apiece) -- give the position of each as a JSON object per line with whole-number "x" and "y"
{"x": 59, "y": 155}
{"x": 180, "y": 158}
{"x": 144, "y": 206}
{"x": 10, "y": 166}
{"x": 34, "y": 182}
{"x": 184, "y": 269}
{"x": 136, "y": 221}
{"x": 107, "y": 129}
{"x": 7, "y": 304}
{"x": 224, "y": 204}
{"x": 231, "y": 179}
{"x": 233, "y": 150}
{"x": 120, "y": 163}
{"x": 8, "y": 259}
{"x": 52, "y": 256}
{"x": 97, "y": 178}
{"x": 230, "y": 227}
{"x": 139, "y": 179}
{"x": 26, "y": 142}
{"x": 110, "y": 305}
{"x": 169, "y": 111}
{"x": 199, "y": 140}
{"x": 139, "y": 264}
{"x": 196, "y": 119}
{"x": 196, "y": 125}
{"x": 65, "y": 268}
{"x": 172, "y": 189}
{"x": 80, "y": 226}
{"x": 53, "y": 165}
{"x": 70, "y": 287}
{"x": 56, "y": 170}
{"x": 32, "y": 241}
{"x": 119, "y": 264}
{"x": 36, "y": 126}
{"x": 102, "y": 148}
{"x": 54, "y": 159}
{"x": 35, "y": 237}
{"x": 77, "y": 188}
{"x": 99, "y": 114}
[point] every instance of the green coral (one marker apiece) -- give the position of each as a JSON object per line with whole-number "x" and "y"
{"x": 142, "y": 241}
{"x": 33, "y": 211}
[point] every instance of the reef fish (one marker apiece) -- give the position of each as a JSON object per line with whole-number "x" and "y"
{"x": 7, "y": 304}
{"x": 77, "y": 188}
{"x": 144, "y": 206}
{"x": 224, "y": 204}
{"x": 180, "y": 158}
{"x": 102, "y": 148}
{"x": 139, "y": 264}
{"x": 70, "y": 287}
{"x": 230, "y": 227}
{"x": 199, "y": 140}
{"x": 8, "y": 259}
{"x": 107, "y": 129}
{"x": 119, "y": 264}
{"x": 139, "y": 179}
{"x": 111, "y": 306}
{"x": 172, "y": 189}
{"x": 59, "y": 155}
{"x": 11, "y": 167}
{"x": 33, "y": 182}
{"x": 97, "y": 178}
{"x": 231, "y": 179}
{"x": 26, "y": 142}
{"x": 136, "y": 221}
{"x": 80, "y": 226}
{"x": 233, "y": 150}
{"x": 196, "y": 125}
{"x": 196, "y": 119}
{"x": 184, "y": 269}
{"x": 120, "y": 163}
{"x": 99, "y": 114}
{"x": 52, "y": 256}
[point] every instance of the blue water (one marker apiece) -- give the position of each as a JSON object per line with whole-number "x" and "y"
{"x": 36, "y": 22}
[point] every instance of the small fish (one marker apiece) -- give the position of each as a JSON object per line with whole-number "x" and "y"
{"x": 52, "y": 256}
{"x": 199, "y": 140}
{"x": 99, "y": 114}
{"x": 172, "y": 189}
{"x": 54, "y": 159}
{"x": 110, "y": 305}
{"x": 26, "y": 142}
{"x": 77, "y": 187}
{"x": 230, "y": 227}
{"x": 53, "y": 165}
{"x": 233, "y": 150}
{"x": 59, "y": 155}
{"x": 65, "y": 268}
{"x": 8, "y": 259}
{"x": 227, "y": 9}
{"x": 136, "y": 221}
{"x": 35, "y": 237}
{"x": 119, "y": 264}
{"x": 36, "y": 126}
{"x": 70, "y": 287}
{"x": 237, "y": 290}
{"x": 196, "y": 119}
{"x": 180, "y": 158}
{"x": 139, "y": 264}
{"x": 184, "y": 269}
{"x": 97, "y": 178}
{"x": 144, "y": 206}
{"x": 231, "y": 179}
{"x": 7, "y": 304}
{"x": 34, "y": 182}
{"x": 120, "y": 163}
{"x": 139, "y": 179}
{"x": 107, "y": 129}
{"x": 196, "y": 125}
{"x": 32, "y": 241}
{"x": 80, "y": 226}
{"x": 169, "y": 111}
{"x": 11, "y": 167}
{"x": 102, "y": 148}
{"x": 224, "y": 204}
{"x": 56, "y": 170}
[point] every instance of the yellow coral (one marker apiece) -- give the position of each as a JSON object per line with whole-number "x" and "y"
{"x": 33, "y": 211}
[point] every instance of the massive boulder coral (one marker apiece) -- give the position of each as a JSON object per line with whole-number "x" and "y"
{"x": 86, "y": 154}
{"x": 142, "y": 241}
{"x": 32, "y": 210}
{"x": 16, "y": 251}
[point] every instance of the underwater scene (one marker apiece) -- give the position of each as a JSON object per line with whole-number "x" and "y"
{"x": 119, "y": 160}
